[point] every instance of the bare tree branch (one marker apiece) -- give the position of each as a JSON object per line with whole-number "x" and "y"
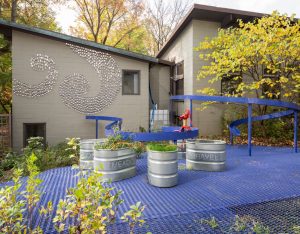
{"x": 162, "y": 17}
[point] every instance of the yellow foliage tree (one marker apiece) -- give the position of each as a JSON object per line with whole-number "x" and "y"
{"x": 261, "y": 58}
{"x": 116, "y": 23}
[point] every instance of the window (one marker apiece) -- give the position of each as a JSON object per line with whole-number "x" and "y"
{"x": 33, "y": 130}
{"x": 131, "y": 82}
{"x": 177, "y": 79}
{"x": 230, "y": 83}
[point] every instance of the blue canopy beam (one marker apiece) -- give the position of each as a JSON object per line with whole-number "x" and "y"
{"x": 292, "y": 109}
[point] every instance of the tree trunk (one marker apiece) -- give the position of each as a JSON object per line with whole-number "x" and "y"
{"x": 14, "y": 10}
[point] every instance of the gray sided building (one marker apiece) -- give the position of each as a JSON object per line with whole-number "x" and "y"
{"x": 59, "y": 79}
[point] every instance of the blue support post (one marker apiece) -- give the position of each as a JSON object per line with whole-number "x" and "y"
{"x": 295, "y": 131}
{"x": 191, "y": 113}
{"x": 96, "y": 128}
{"x": 249, "y": 127}
{"x": 231, "y": 138}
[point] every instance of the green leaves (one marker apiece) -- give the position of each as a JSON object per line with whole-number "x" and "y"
{"x": 93, "y": 204}
{"x": 265, "y": 51}
{"x": 134, "y": 216}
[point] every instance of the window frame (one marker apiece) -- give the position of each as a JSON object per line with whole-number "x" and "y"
{"x": 175, "y": 78}
{"x": 139, "y": 82}
{"x": 35, "y": 123}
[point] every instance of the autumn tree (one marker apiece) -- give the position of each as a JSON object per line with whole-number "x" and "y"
{"x": 162, "y": 16}
{"x": 260, "y": 58}
{"x": 5, "y": 77}
{"x": 109, "y": 22}
{"x": 31, "y": 12}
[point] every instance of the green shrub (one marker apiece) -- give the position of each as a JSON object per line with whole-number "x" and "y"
{"x": 60, "y": 155}
{"x": 93, "y": 205}
{"x": 274, "y": 129}
{"x": 134, "y": 216}
{"x": 116, "y": 142}
{"x": 163, "y": 147}
{"x": 17, "y": 207}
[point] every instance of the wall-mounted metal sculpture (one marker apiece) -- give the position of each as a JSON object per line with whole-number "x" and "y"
{"x": 38, "y": 63}
{"x": 74, "y": 87}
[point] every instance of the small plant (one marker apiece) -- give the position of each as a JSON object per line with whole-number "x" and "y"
{"x": 116, "y": 142}
{"x": 34, "y": 144}
{"x": 212, "y": 222}
{"x": 259, "y": 228}
{"x": 134, "y": 216}
{"x": 162, "y": 147}
{"x": 93, "y": 206}
{"x": 240, "y": 224}
{"x": 73, "y": 148}
{"x": 17, "y": 207}
{"x": 142, "y": 129}
{"x": 296, "y": 229}
{"x": 11, "y": 209}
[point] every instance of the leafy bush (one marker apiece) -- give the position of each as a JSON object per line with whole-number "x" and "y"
{"x": 276, "y": 130}
{"x": 134, "y": 216}
{"x": 47, "y": 157}
{"x": 60, "y": 155}
{"x": 163, "y": 147}
{"x": 9, "y": 161}
{"x": 17, "y": 207}
{"x": 92, "y": 205}
{"x": 116, "y": 142}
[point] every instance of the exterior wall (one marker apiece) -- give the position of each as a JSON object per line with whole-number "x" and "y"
{"x": 62, "y": 121}
{"x": 209, "y": 120}
{"x": 182, "y": 50}
{"x": 160, "y": 85}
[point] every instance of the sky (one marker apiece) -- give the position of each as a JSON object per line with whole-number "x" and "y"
{"x": 66, "y": 17}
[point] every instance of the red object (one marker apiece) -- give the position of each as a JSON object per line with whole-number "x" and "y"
{"x": 184, "y": 117}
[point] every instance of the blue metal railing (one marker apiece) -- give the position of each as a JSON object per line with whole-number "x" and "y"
{"x": 292, "y": 109}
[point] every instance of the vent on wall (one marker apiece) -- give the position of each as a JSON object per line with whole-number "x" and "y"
{"x": 33, "y": 130}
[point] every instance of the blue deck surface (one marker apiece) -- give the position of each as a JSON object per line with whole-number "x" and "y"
{"x": 270, "y": 174}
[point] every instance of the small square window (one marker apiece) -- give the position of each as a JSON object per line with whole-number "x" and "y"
{"x": 33, "y": 130}
{"x": 131, "y": 82}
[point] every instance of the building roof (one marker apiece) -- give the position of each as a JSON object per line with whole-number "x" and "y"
{"x": 227, "y": 17}
{"x": 6, "y": 27}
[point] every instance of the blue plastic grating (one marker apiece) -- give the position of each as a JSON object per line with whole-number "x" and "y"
{"x": 271, "y": 174}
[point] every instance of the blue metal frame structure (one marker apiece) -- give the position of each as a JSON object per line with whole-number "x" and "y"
{"x": 168, "y": 132}
{"x": 292, "y": 109}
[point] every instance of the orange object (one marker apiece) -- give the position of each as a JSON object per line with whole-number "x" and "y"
{"x": 184, "y": 117}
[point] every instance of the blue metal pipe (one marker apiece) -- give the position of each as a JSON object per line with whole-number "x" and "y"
{"x": 295, "y": 131}
{"x": 249, "y": 128}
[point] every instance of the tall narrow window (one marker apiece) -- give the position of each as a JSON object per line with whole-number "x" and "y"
{"x": 177, "y": 79}
{"x": 33, "y": 130}
{"x": 131, "y": 82}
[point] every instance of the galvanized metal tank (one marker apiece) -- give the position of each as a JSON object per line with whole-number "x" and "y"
{"x": 163, "y": 168}
{"x": 206, "y": 155}
{"x": 86, "y": 160}
{"x": 115, "y": 165}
